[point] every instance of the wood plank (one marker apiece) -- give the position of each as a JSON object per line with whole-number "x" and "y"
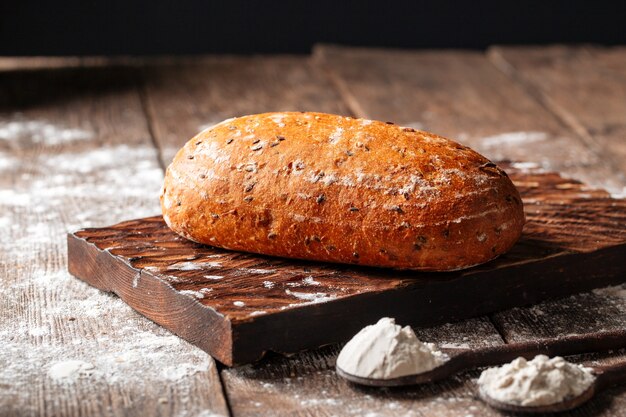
{"x": 306, "y": 384}
{"x": 612, "y": 58}
{"x": 184, "y": 98}
{"x": 590, "y": 313}
{"x": 461, "y": 95}
{"x": 593, "y": 312}
{"x": 583, "y": 88}
{"x": 75, "y": 151}
{"x": 574, "y": 240}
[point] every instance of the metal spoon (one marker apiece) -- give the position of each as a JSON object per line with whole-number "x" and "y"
{"x": 606, "y": 376}
{"x": 464, "y": 359}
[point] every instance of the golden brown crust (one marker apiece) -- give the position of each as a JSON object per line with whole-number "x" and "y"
{"x": 331, "y": 188}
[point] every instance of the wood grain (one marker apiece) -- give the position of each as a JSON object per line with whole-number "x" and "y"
{"x": 46, "y": 315}
{"x": 461, "y": 95}
{"x": 184, "y": 98}
{"x": 591, "y": 313}
{"x": 612, "y": 58}
{"x": 306, "y": 385}
{"x": 75, "y": 150}
{"x": 578, "y": 87}
{"x": 574, "y": 240}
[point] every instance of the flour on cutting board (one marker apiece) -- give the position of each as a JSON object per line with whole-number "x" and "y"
{"x": 197, "y": 294}
{"x": 312, "y": 298}
{"x": 193, "y": 266}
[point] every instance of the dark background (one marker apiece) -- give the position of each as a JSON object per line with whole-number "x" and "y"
{"x": 144, "y": 27}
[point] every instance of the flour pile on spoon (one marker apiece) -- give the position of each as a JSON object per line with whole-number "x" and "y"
{"x": 386, "y": 350}
{"x": 541, "y": 381}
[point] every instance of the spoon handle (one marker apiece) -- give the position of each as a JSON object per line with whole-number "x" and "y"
{"x": 609, "y": 375}
{"x": 567, "y": 345}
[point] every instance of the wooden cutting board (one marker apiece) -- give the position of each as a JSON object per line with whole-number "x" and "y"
{"x": 236, "y": 306}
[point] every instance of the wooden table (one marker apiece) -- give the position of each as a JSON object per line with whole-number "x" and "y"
{"x": 83, "y": 142}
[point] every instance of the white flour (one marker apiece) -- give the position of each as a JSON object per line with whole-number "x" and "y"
{"x": 69, "y": 332}
{"x": 40, "y": 131}
{"x": 386, "y": 350}
{"x": 618, "y": 291}
{"x": 541, "y": 381}
{"x": 516, "y": 138}
{"x": 70, "y": 370}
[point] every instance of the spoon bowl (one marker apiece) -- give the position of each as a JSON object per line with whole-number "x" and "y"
{"x": 424, "y": 377}
{"x": 452, "y": 365}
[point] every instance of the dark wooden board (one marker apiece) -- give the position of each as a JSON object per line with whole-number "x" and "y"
{"x": 237, "y": 306}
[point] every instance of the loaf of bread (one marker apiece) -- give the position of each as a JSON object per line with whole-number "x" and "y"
{"x": 337, "y": 189}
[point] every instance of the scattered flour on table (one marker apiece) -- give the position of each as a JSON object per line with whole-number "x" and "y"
{"x": 454, "y": 345}
{"x": 208, "y": 413}
{"x": 40, "y": 131}
{"x": 618, "y": 291}
{"x": 70, "y": 370}
{"x": 75, "y": 330}
{"x": 65, "y": 192}
{"x": 8, "y": 162}
{"x": 514, "y": 138}
{"x": 541, "y": 381}
{"x": 38, "y": 331}
{"x": 386, "y": 350}
{"x": 179, "y": 372}
{"x": 526, "y": 166}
